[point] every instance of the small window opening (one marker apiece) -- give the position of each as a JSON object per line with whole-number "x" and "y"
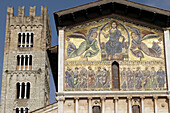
{"x": 96, "y": 109}
{"x": 135, "y": 109}
{"x": 26, "y": 110}
{"x": 17, "y": 110}
{"x": 28, "y": 90}
{"x": 23, "y": 90}
{"x": 115, "y": 76}
{"x": 31, "y": 40}
{"x": 18, "y": 90}
{"x": 19, "y": 40}
{"x": 22, "y": 110}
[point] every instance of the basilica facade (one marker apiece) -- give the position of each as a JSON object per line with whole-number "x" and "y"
{"x": 113, "y": 58}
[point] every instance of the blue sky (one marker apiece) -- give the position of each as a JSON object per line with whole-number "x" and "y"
{"x": 52, "y": 5}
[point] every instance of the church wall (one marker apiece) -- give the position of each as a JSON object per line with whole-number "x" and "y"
{"x": 109, "y": 106}
{"x": 83, "y": 103}
{"x": 69, "y": 106}
{"x": 162, "y": 105}
{"x": 149, "y": 105}
{"x": 122, "y": 106}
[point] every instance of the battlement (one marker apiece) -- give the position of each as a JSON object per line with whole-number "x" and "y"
{"x": 21, "y": 11}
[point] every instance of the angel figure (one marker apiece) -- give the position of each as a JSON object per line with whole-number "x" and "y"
{"x": 89, "y": 42}
{"x": 138, "y": 47}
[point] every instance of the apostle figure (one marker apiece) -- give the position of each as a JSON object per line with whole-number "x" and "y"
{"x": 130, "y": 78}
{"x": 161, "y": 77}
{"x": 154, "y": 77}
{"x": 138, "y": 78}
{"x": 69, "y": 77}
{"x": 91, "y": 77}
{"x": 123, "y": 79}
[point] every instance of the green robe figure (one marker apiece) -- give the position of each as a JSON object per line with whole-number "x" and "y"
{"x": 90, "y": 42}
{"x": 154, "y": 78}
{"x": 146, "y": 79}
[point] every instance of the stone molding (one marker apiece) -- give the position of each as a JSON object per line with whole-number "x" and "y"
{"x": 24, "y": 72}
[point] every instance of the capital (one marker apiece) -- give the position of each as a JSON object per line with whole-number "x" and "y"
{"x": 76, "y": 98}
{"x": 103, "y": 98}
{"x": 116, "y": 98}
{"x": 142, "y": 97}
{"x": 155, "y": 97}
{"x": 89, "y": 98}
{"x": 129, "y": 97}
{"x": 60, "y": 98}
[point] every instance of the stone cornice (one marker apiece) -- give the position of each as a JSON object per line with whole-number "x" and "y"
{"x": 111, "y": 93}
{"x": 39, "y": 71}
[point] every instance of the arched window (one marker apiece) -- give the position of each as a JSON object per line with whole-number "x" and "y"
{"x": 135, "y": 109}
{"x": 24, "y": 62}
{"x": 28, "y": 90}
{"x": 25, "y": 39}
{"x": 26, "y": 110}
{"x": 22, "y": 110}
{"x": 115, "y": 76}
{"x": 23, "y": 90}
{"x": 96, "y": 109}
{"x": 17, "y": 110}
{"x": 18, "y": 89}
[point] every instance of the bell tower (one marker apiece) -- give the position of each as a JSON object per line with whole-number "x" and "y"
{"x": 26, "y": 70}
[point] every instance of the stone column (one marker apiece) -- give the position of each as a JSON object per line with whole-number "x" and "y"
{"x": 60, "y": 100}
{"x": 20, "y": 87}
{"x": 142, "y": 104}
{"x": 19, "y": 110}
{"x": 28, "y": 62}
{"x": 77, "y": 105}
{"x": 25, "y": 39}
{"x": 21, "y": 39}
{"x": 29, "y": 40}
{"x": 20, "y": 62}
{"x": 168, "y": 97}
{"x": 25, "y": 96}
{"x": 61, "y": 62}
{"x": 103, "y": 104}
{"x": 116, "y": 101}
{"x": 24, "y": 62}
{"x": 129, "y": 104}
{"x": 90, "y": 104}
{"x": 155, "y": 104}
{"x": 167, "y": 55}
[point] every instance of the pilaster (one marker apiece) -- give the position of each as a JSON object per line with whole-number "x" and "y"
{"x": 142, "y": 104}
{"x": 76, "y": 105}
{"x": 90, "y": 105}
{"x": 168, "y": 97}
{"x": 129, "y": 104}
{"x": 103, "y": 104}
{"x": 167, "y": 55}
{"x": 116, "y": 102}
{"x": 61, "y": 62}
{"x": 155, "y": 104}
{"x": 60, "y": 100}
